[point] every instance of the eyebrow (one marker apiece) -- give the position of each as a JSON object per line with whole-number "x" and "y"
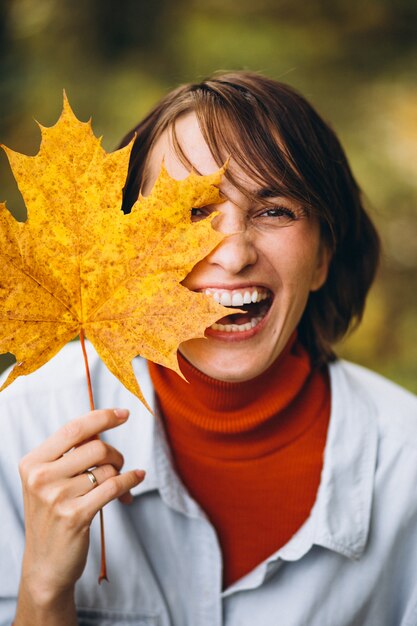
{"x": 266, "y": 193}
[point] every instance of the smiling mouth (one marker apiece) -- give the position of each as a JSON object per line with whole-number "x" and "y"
{"x": 254, "y": 301}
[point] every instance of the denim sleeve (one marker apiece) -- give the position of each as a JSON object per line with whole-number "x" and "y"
{"x": 410, "y": 618}
{"x": 12, "y": 534}
{"x": 11, "y": 539}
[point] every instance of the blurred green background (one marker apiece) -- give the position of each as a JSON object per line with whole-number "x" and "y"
{"x": 356, "y": 61}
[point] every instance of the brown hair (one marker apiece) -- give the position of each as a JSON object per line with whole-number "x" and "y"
{"x": 281, "y": 142}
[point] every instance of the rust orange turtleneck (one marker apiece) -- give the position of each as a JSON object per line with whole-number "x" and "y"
{"x": 249, "y": 453}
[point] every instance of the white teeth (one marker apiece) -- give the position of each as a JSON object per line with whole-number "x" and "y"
{"x": 226, "y": 298}
{"x": 237, "y": 328}
{"x": 237, "y": 299}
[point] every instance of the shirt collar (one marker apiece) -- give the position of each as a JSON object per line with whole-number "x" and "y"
{"x": 135, "y": 438}
{"x": 344, "y": 501}
{"x": 148, "y": 449}
{"x": 340, "y": 518}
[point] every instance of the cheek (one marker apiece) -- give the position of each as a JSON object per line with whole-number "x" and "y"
{"x": 296, "y": 263}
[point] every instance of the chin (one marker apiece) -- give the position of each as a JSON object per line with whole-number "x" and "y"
{"x": 228, "y": 367}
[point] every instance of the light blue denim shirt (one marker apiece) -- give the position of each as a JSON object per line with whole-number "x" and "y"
{"x": 353, "y": 562}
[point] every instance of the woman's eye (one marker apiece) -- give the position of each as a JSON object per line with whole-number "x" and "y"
{"x": 279, "y": 212}
{"x": 198, "y": 214}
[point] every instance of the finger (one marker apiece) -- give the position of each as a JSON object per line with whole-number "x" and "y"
{"x": 76, "y": 432}
{"x": 87, "y": 455}
{"x": 126, "y": 498}
{"x": 81, "y": 484}
{"x": 102, "y": 473}
{"x": 109, "y": 490}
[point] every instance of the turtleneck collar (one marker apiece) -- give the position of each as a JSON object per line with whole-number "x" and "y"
{"x": 243, "y": 419}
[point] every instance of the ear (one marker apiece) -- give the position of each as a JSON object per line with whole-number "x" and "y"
{"x": 324, "y": 256}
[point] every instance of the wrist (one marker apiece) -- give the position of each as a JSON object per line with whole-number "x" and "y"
{"x": 45, "y": 586}
{"x": 44, "y": 592}
{"x": 45, "y": 606}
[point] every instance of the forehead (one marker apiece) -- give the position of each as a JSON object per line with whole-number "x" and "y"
{"x": 196, "y": 155}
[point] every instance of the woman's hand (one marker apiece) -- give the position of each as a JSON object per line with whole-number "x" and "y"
{"x": 60, "y": 503}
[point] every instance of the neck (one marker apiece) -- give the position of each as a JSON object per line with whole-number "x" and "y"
{"x": 228, "y": 417}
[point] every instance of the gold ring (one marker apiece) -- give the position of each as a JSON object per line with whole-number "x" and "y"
{"x": 91, "y": 478}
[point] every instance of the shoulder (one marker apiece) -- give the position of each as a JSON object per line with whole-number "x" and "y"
{"x": 373, "y": 463}
{"x": 395, "y": 408}
{"x": 63, "y": 371}
{"x": 35, "y": 406}
{"x": 64, "y": 377}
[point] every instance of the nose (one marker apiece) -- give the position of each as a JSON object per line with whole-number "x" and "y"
{"x": 237, "y": 250}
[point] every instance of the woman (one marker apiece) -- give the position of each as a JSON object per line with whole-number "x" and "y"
{"x": 280, "y": 482}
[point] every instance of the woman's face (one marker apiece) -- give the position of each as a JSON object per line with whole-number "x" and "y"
{"x": 269, "y": 263}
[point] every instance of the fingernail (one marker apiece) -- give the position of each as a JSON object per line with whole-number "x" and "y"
{"x": 121, "y": 414}
{"x": 140, "y": 474}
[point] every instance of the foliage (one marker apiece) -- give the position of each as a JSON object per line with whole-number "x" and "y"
{"x": 78, "y": 263}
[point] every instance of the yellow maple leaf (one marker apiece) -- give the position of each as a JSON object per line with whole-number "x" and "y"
{"x": 78, "y": 264}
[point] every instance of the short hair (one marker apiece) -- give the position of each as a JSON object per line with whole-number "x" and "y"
{"x": 280, "y": 141}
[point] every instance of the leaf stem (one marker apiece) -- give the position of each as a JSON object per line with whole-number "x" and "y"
{"x": 103, "y": 567}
